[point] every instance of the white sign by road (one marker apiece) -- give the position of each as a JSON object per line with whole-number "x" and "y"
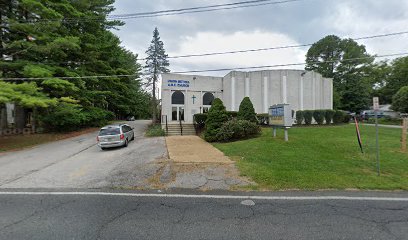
{"x": 376, "y": 103}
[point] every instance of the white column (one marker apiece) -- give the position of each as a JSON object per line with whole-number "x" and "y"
{"x": 284, "y": 93}
{"x": 301, "y": 93}
{"x": 265, "y": 94}
{"x": 331, "y": 93}
{"x": 247, "y": 87}
{"x": 314, "y": 91}
{"x": 232, "y": 93}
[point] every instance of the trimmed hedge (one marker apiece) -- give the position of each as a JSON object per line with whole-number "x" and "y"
{"x": 318, "y": 116}
{"x": 299, "y": 117}
{"x": 237, "y": 129}
{"x": 308, "y": 115}
{"x": 329, "y": 116}
{"x": 338, "y": 117}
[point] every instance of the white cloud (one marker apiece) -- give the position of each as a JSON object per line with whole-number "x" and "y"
{"x": 207, "y": 42}
{"x": 353, "y": 19}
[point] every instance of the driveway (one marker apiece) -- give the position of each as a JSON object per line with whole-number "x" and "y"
{"x": 79, "y": 163}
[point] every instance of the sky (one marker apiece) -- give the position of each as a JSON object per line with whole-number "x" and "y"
{"x": 291, "y": 23}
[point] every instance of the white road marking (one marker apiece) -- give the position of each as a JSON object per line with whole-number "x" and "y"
{"x": 163, "y": 195}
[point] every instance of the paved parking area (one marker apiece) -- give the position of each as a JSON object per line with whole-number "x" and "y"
{"x": 78, "y": 163}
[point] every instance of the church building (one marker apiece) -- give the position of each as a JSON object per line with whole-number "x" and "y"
{"x": 185, "y": 95}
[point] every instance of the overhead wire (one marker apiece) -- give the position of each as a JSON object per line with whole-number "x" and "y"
{"x": 211, "y": 70}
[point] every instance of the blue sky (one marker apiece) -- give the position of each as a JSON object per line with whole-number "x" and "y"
{"x": 258, "y": 27}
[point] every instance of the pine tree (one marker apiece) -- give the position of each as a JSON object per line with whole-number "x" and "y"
{"x": 156, "y": 63}
{"x": 247, "y": 111}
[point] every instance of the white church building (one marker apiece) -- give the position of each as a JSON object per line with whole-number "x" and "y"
{"x": 185, "y": 95}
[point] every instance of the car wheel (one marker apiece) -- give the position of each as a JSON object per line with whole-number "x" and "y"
{"x": 133, "y": 137}
{"x": 126, "y": 143}
{"x": 102, "y": 148}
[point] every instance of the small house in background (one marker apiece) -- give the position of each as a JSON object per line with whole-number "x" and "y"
{"x": 15, "y": 120}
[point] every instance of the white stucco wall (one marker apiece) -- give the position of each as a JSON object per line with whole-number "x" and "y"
{"x": 301, "y": 89}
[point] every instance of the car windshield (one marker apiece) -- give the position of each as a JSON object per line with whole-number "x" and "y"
{"x": 109, "y": 131}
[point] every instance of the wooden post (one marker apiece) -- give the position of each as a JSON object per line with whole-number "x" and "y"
{"x": 404, "y": 134}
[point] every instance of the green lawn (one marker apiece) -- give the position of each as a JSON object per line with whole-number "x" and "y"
{"x": 321, "y": 158}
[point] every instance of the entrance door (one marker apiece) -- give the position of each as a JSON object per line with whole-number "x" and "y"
{"x": 177, "y": 113}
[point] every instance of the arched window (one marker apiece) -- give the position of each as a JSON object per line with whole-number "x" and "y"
{"x": 208, "y": 98}
{"x": 177, "y": 98}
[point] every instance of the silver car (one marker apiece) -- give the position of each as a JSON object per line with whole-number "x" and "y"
{"x": 117, "y": 135}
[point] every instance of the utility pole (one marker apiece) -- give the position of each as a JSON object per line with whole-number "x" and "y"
{"x": 404, "y": 133}
{"x": 376, "y": 107}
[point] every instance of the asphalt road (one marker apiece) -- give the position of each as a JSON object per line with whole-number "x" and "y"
{"x": 78, "y": 163}
{"x": 145, "y": 217}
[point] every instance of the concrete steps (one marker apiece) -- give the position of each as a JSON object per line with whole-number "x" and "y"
{"x": 174, "y": 129}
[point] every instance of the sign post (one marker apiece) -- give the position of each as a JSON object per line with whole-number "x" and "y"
{"x": 376, "y": 107}
{"x": 280, "y": 116}
{"x": 404, "y": 133}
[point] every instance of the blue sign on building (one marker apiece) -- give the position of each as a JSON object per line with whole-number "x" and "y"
{"x": 178, "y": 83}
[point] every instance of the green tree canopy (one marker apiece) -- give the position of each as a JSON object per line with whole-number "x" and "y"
{"x": 347, "y": 62}
{"x": 400, "y": 100}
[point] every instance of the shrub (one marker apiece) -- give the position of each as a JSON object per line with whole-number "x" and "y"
{"x": 155, "y": 130}
{"x": 96, "y": 117}
{"x": 237, "y": 129}
{"x": 199, "y": 121}
{"x": 232, "y": 115}
{"x": 400, "y": 100}
{"x": 308, "y": 115}
{"x": 299, "y": 117}
{"x": 329, "y": 116}
{"x": 64, "y": 117}
{"x": 246, "y": 110}
{"x": 318, "y": 116}
{"x": 338, "y": 117}
{"x": 216, "y": 117}
{"x": 346, "y": 118}
{"x": 263, "y": 118}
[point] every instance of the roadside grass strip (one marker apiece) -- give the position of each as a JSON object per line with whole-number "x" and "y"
{"x": 325, "y": 157}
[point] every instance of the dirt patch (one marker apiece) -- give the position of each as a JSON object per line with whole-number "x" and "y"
{"x": 19, "y": 142}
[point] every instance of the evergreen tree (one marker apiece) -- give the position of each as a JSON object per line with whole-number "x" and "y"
{"x": 247, "y": 111}
{"x": 216, "y": 117}
{"x": 156, "y": 63}
{"x": 53, "y": 39}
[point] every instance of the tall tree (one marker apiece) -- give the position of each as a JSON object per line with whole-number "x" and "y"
{"x": 54, "y": 39}
{"x": 347, "y": 63}
{"x": 156, "y": 63}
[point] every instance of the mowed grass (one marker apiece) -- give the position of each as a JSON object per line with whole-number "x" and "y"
{"x": 321, "y": 158}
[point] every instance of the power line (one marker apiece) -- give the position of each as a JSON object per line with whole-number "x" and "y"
{"x": 275, "y": 48}
{"x": 238, "y": 51}
{"x": 210, "y": 70}
{"x": 209, "y": 8}
{"x": 204, "y": 10}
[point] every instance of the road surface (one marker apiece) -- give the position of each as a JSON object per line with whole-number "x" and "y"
{"x": 78, "y": 163}
{"x": 82, "y": 216}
